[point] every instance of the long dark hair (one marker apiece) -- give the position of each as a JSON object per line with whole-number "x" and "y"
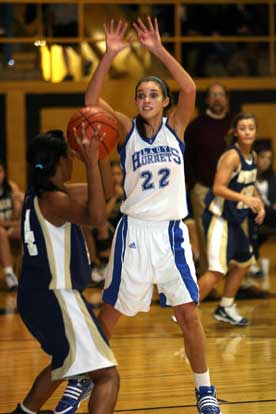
{"x": 5, "y": 184}
{"x": 140, "y": 121}
{"x": 43, "y": 155}
{"x": 230, "y": 137}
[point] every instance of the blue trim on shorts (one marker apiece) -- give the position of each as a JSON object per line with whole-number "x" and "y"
{"x": 110, "y": 295}
{"x": 176, "y": 240}
{"x": 163, "y": 300}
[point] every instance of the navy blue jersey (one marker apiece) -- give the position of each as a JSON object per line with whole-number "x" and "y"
{"x": 54, "y": 257}
{"x": 242, "y": 181}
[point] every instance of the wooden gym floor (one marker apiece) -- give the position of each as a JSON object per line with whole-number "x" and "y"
{"x": 155, "y": 375}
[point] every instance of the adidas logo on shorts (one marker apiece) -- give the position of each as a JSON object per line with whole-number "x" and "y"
{"x": 132, "y": 245}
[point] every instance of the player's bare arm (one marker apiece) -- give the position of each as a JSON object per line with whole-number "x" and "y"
{"x": 228, "y": 164}
{"x": 115, "y": 43}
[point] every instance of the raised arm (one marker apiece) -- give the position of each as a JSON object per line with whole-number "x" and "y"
{"x": 59, "y": 207}
{"x": 149, "y": 38}
{"x": 115, "y": 43}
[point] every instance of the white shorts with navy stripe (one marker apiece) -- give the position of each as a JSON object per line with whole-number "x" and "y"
{"x": 147, "y": 253}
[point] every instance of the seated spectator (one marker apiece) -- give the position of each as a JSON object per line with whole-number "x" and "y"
{"x": 266, "y": 185}
{"x": 256, "y": 284}
{"x": 266, "y": 181}
{"x": 11, "y": 199}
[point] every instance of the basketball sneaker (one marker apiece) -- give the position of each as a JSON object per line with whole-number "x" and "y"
{"x": 19, "y": 410}
{"x": 11, "y": 281}
{"x": 207, "y": 402}
{"x": 256, "y": 271}
{"x": 230, "y": 315}
{"x": 76, "y": 391}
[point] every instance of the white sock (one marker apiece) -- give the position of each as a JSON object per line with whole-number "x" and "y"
{"x": 226, "y": 301}
{"x": 8, "y": 270}
{"x": 26, "y": 410}
{"x": 202, "y": 379}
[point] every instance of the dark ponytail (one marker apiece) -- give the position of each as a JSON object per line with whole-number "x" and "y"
{"x": 140, "y": 121}
{"x": 43, "y": 155}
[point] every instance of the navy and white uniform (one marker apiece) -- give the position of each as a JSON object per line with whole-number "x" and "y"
{"x": 151, "y": 243}
{"x": 6, "y": 205}
{"x": 55, "y": 270}
{"x": 226, "y": 222}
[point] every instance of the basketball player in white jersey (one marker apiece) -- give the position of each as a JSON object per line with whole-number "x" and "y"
{"x": 151, "y": 244}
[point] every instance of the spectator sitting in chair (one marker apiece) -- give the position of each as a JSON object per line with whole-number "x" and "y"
{"x": 11, "y": 199}
{"x": 266, "y": 186}
{"x": 256, "y": 282}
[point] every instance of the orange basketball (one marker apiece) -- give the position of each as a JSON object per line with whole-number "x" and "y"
{"x": 92, "y": 117}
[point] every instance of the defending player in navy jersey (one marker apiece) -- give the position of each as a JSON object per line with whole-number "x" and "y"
{"x": 55, "y": 270}
{"x": 151, "y": 243}
{"x": 226, "y": 218}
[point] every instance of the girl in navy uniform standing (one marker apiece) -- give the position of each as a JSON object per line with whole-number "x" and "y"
{"x": 56, "y": 269}
{"x": 226, "y": 218}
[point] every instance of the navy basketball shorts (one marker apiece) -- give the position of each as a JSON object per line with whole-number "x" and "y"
{"x": 66, "y": 328}
{"x": 145, "y": 254}
{"x": 227, "y": 243}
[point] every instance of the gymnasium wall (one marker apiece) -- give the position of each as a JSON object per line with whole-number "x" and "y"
{"x": 26, "y": 108}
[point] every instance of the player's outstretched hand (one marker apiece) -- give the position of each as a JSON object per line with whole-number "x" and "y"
{"x": 148, "y": 35}
{"x": 115, "y": 36}
{"x": 89, "y": 148}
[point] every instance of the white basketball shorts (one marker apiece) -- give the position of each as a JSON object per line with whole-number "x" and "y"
{"x": 147, "y": 253}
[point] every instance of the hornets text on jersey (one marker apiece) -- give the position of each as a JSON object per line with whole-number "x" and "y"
{"x": 154, "y": 181}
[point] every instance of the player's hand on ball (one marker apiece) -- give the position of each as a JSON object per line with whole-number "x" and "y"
{"x": 88, "y": 148}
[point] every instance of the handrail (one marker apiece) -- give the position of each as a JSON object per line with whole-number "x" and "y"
{"x": 135, "y": 2}
{"x": 182, "y": 39}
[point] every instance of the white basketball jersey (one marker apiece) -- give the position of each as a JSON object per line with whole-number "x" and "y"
{"x": 154, "y": 181}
